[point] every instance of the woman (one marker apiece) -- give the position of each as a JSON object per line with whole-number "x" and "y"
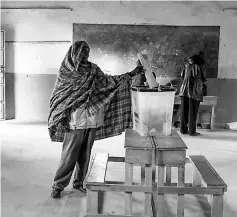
{"x": 191, "y": 93}
{"x": 85, "y": 105}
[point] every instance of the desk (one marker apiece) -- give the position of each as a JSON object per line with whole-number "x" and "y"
{"x": 149, "y": 152}
{"x": 207, "y": 101}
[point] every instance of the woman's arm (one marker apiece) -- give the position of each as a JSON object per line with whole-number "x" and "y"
{"x": 117, "y": 78}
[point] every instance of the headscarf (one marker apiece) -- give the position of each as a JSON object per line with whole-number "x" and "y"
{"x": 73, "y": 57}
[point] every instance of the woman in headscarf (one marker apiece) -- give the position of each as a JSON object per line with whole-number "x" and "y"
{"x": 85, "y": 105}
{"x": 191, "y": 93}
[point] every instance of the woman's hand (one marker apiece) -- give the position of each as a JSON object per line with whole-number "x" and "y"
{"x": 139, "y": 63}
{"x": 139, "y": 69}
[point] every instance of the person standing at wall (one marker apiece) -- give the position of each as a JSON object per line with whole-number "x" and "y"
{"x": 85, "y": 105}
{"x": 199, "y": 59}
{"x": 191, "y": 93}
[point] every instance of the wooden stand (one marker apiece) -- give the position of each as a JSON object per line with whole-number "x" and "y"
{"x": 169, "y": 151}
{"x": 164, "y": 153}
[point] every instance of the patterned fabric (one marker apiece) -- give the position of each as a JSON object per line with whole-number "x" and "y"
{"x": 193, "y": 78}
{"x": 89, "y": 87}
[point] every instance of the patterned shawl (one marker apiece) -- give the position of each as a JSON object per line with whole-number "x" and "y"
{"x": 89, "y": 87}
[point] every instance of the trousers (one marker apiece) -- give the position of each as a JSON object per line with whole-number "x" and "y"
{"x": 76, "y": 152}
{"x": 188, "y": 115}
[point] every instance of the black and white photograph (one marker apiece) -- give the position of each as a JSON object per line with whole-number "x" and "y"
{"x": 118, "y": 108}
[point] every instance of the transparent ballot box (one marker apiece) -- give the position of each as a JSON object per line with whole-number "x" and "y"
{"x": 152, "y": 110}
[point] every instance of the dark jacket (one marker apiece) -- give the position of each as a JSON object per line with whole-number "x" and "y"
{"x": 193, "y": 79}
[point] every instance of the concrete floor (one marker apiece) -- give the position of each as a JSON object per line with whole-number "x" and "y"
{"x": 29, "y": 161}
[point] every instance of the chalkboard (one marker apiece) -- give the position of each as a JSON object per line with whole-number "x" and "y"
{"x": 114, "y": 47}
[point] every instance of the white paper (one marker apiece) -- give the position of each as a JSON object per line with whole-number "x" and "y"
{"x": 148, "y": 73}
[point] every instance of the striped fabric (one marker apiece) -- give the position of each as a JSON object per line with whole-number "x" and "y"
{"x": 88, "y": 86}
{"x": 193, "y": 79}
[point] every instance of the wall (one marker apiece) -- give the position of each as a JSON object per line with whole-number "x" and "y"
{"x": 28, "y": 98}
{"x": 225, "y": 89}
{"x": 37, "y": 42}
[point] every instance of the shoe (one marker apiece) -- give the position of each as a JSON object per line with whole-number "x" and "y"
{"x": 184, "y": 132}
{"x": 199, "y": 126}
{"x": 195, "y": 134}
{"x": 56, "y": 193}
{"x": 80, "y": 188}
{"x": 176, "y": 124}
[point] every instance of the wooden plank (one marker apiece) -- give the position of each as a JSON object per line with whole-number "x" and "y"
{"x": 134, "y": 140}
{"x": 98, "y": 168}
{"x": 180, "y": 202}
{"x": 172, "y": 142}
{"x": 116, "y": 159}
{"x": 187, "y": 184}
{"x": 210, "y": 176}
{"x": 171, "y": 158}
{"x": 122, "y": 188}
{"x": 114, "y": 168}
{"x": 212, "y": 117}
{"x": 153, "y": 174}
{"x": 181, "y": 175}
{"x": 196, "y": 178}
{"x": 168, "y": 175}
{"x": 148, "y": 183}
{"x": 128, "y": 194}
{"x": 217, "y": 206}
{"x": 180, "y": 205}
{"x": 143, "y": 174}
{"x": 138, "y": 156}
{"x": 110, "y": 215}
{"x": 108, "y": 183}
{"x": 115, "y": 183}
{"x": 176, "y": 184}
{"x": 154, "y": 204}
{"x": 160, "y": 198}
{"x": 92, "y": 201}
{"x": 188, "y": 189}
{"x": 153, "y": 163}
{"x": 154, "y": 193}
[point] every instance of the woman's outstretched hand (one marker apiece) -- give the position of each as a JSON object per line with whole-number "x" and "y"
{"x": 139, "y": 69}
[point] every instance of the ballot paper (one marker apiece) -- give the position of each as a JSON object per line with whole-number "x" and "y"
{"x": 143, "y": 57}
